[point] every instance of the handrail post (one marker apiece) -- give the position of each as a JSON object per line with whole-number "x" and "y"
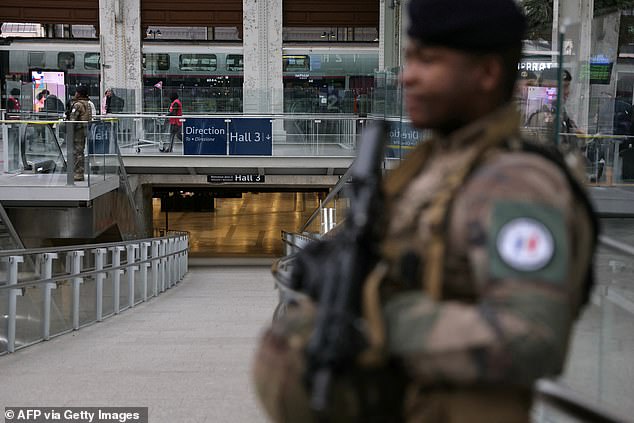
{"x": 170, "y": 262}
{"x": 155, "y": 266}
{"x": 13, "y": 300}
{"x": 75, "y": 268}
{"x": 47, "y": 273}
{"x": 100, "y": 254}
{"x": 70, "y": 153}
{"x": 130, "y": 257}
{"x": 163, "y": 260}
{"x": 186, "y": 253}
{"x": 144, "y": 266}
{"x": 182, "y": 247}
{"x": 116, "y": 276}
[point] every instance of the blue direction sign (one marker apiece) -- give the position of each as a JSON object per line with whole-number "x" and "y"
{"x": 250, "y": 137}
{"x": 205, "y": 137}
{"x": 402, "y": 138}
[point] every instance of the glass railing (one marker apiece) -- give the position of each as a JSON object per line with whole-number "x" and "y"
{"x": 50, "y": 291}
{"x": 239, "y": 135}
{"x": 41, "y": 147}
{"x": 601, "y": 352}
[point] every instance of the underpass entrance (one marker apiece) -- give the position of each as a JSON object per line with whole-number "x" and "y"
{"x": 232, "y": 222}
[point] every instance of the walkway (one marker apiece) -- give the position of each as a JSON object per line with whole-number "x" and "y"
{"x": 186, "y": 354}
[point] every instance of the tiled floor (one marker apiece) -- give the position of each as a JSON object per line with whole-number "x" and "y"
{"x": 247, "y": 226}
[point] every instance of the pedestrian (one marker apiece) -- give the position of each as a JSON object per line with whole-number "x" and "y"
{"x": 80, "y": 111}
{"x": 13, "y": 102}
{"x": 485, "y": 258}
{"x": 111, "y": 103}
{"x": 175, "y": 109}
{"x": 40, "y": 99}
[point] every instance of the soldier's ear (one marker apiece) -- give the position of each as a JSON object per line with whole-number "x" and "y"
{"x": 491, "y": 73}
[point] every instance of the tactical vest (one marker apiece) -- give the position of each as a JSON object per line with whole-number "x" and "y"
{"x": 438, "y": 212}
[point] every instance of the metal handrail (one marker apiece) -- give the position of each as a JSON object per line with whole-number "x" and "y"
{"x": 618, "y": 246}
{"x": 574, "y": 405}
{"x": 160, "y": 264}
{"x": 331, "y": 195}
{"x": 32, "y": 251}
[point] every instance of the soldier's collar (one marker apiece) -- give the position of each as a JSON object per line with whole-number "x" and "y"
{"x": 502, "y": 123}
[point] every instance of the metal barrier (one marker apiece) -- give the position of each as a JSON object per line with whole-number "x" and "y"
{"x": 71, "y": 287}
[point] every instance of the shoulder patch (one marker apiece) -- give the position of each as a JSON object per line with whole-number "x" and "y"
{"x": 527, "y": 241}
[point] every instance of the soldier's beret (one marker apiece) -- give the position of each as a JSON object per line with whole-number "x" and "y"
{"x": 550, "y": 74}
{"x": 472, "y": 25}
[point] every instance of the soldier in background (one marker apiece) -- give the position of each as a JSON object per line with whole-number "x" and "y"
{"x": 486, "y": 253}
{"x": 80, "y": 110}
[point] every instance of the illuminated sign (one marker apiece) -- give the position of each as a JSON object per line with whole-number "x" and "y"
{"x": 535, "y": 66}
{"x": 237, "y": 177}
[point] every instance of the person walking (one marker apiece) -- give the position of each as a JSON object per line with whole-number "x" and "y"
{"x": 175, "y": 109}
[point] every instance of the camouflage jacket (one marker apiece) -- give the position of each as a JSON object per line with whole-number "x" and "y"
{"x": 80, "y": 110}
{"x": 514, "y": 263}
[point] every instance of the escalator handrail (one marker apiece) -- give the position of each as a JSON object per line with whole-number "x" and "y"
{"x": 331, "y": 196}
{"x": 572, "y": 404}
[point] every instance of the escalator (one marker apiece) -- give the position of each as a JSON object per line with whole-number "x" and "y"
{"x": 40, "y": 148}
{"x": 9, "y": 239}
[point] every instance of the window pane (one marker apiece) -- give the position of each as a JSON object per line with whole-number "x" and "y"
{"x": 235, "y": 62}
{"x": 36, "y": 59}
{"x": 295, "y": 63}
{"x": 156, "y": 61}
{"x": 66, "y": 60}
{"x": 198, "y": 62}
{"x": 92, "y": 60}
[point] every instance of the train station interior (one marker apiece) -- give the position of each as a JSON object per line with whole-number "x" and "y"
{"x": 153, "y": 268}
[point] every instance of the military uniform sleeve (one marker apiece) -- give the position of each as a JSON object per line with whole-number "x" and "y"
{"x": 525, "y": 246}
{"x": 77, "y": 110}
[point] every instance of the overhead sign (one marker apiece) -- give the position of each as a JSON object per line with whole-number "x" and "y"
{"x": 205, "y": 137}
{"x": 238, "y": 177}
{"x": 402, "y": 138}
{"x": 235, "y": 136}
{"x": 250, "y": 137}
{"x": 600, "y": 69}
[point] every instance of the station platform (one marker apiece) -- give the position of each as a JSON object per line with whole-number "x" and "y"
{"x": 185, "y": 355}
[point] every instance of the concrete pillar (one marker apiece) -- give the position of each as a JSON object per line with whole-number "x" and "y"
{"x": 120, "y": 46}
{"x": 391, "y": 31}
{"x": 575, "y": 17}
{"x": 262, "y": 42}
{"x": 605, "y": 31}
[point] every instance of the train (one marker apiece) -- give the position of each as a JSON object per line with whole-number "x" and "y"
{"x": 208, "y": 76}
{"x": 317, "y": 77}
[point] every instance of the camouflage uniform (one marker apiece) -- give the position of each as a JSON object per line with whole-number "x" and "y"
{"x": 482, "y": 275}
{"x": 80, "y": 111}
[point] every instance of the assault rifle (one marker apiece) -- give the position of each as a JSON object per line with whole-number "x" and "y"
{"x": 332, "y": 272}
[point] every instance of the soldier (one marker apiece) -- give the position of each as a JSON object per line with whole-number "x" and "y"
{"x": 486, "y": 252}
{"x": 80, "y": 111}
{"x": 541, "y": 121}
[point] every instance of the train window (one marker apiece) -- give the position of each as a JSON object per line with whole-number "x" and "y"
{"x": 66, "y": 60}
{"x": 156, "y": 61}
{"x": 198, "y": 62}
{"x": 92, "y": 60}
{"x": 36, "y": 59}
{"x": 295, "y": 63}
{"x": 235, "y": 62}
